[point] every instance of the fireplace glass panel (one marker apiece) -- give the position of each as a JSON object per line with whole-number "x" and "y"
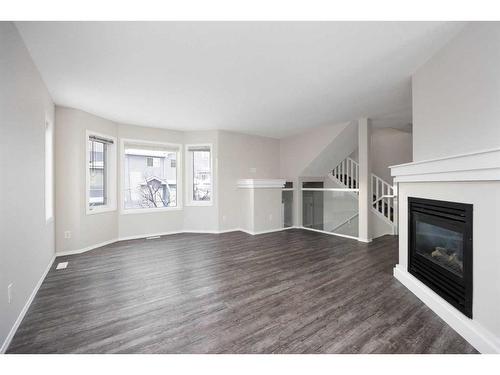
{"x": 440, "y": 245}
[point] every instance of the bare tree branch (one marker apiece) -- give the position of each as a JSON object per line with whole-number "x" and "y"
{"x": 152, "y": 193}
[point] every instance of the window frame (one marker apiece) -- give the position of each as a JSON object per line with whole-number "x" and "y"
{"x": 110, "y": 174}
{"x": 189, "y": 176}
{"x": 138, "y": 142}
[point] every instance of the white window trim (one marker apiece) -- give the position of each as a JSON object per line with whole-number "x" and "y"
{"x": 110, "y": 179}
{"x": 132, "y": 211}
{"x": 49, "y": 172}
{"x": 189, "y": 177}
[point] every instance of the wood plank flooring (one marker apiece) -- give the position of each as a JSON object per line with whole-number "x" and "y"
{"x": 294, "y": 291}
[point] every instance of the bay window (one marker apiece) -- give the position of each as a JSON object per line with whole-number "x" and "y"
{"x": 101, "y": 173}
{"x": 150, "y": 176}
{"x": 199, "y": 175}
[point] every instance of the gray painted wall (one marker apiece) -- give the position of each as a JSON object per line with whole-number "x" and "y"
{"x": 27, "y": 246}
{"x": 456, "y": 95}
{"x": 70, "y": 173}
{"x": 242, "y": 156}
{"x": 389, "y": 146}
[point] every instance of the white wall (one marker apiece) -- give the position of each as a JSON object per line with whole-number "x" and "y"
{"x": 389, "y": 147}
{"x": 456, "y": 95}
{"x": 298, "y": 151}
{"x": 70, "y": 174}
{"x": 267, "y": 209}
{"x": 260, "y": 209}
{"x": 242, "y": 156}
{"x": 27, "y": 246}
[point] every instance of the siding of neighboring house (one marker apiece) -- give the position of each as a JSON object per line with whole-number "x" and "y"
{"x": 137, "y": 172}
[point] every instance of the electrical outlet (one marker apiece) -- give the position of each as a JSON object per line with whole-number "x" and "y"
{"x": 9, "y": 292}
{"x": 270, "y": 217}
{"x": 67, "y": 234}
{"x": 224, "y": 218}
{"x": 253, "y": 170}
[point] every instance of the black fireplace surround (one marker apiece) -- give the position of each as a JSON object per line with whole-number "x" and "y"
{"x": 440, "y": 249}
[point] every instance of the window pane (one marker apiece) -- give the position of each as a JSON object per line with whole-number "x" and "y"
{"x": 150, "y": 178}
{"x": 202, "y": 179}
{"x": 97, "y": 172}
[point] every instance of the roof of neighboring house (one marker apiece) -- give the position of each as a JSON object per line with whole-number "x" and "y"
{"x": 149, "y": 179}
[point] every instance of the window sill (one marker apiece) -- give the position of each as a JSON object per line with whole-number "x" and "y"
{"x": 200, "y": 204}
{"x": 148, "y": 210}
{"x": 100, "y": 210}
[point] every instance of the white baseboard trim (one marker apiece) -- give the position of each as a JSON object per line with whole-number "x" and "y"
{"x": 365, "y": 240}
{"x": 27, "y": 305}
{"x": 142, "y": 236}
{"x": 481, "y": 339}
{"x": 85, "y": 249}
{"x": 203, "y": 231}
{"x": 265, "y": 231}
{"x": 222, "y": 231}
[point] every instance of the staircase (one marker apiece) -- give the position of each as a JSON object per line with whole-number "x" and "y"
{"x": 346, "y": 174}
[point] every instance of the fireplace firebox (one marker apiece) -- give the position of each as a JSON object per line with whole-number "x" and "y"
{"x": 440, "y": 249}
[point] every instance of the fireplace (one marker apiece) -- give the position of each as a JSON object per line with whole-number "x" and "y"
{"x": 440, "y": 249}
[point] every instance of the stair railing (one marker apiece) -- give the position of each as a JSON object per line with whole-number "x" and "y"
{"x": 383, "y": 197}
{"x": 384, "y": 194}
{"x": 347, "y": 172}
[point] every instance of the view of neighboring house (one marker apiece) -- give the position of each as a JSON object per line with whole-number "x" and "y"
{"x": 150, "y": 178}
{"x": 97, "y": 172}
{"x": 202, "y": 185}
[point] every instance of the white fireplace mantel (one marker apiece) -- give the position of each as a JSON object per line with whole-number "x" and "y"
{"x": 475, "y": 166}
{"x": 472, "y": 178}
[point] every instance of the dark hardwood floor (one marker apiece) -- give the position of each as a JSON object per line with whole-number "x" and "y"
{"x": 287, "y": 292}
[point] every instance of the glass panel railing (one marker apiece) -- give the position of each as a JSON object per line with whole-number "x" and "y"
{"x": 287, "y": 207}
{"x": 330, "y": 210}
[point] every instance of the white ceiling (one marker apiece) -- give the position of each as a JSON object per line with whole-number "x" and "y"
{"x": 267, "y": 78}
